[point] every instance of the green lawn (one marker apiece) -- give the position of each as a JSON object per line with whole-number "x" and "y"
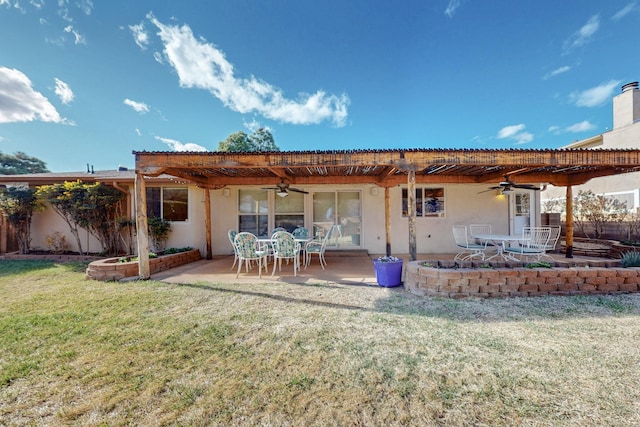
{"x": 79, "y": 352}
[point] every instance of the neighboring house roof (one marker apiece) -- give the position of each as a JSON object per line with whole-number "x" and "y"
{"x": 389, "y": 167}
{"x": 106, "y": 176}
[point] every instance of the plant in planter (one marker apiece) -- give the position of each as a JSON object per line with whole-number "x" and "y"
{"x": 630, "y": 259}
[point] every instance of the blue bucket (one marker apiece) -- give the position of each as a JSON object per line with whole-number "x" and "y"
{"x": 388, "y": 274}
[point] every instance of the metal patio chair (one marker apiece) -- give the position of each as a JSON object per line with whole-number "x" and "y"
{"x": 469, "y": 250}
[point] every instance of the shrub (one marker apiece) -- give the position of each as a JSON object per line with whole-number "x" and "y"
{"x": 630, "y": 259}
{"x": 57, "y": 243}
{"x": 539, "y": 264}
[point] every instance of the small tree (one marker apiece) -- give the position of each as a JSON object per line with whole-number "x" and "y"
{"x": 20, "y": 163}
{"x": 260, "y": 140}
{"x": 18, "y": 205}
{"x": 159, "y": 230}
{"x": 94, "y": 207}
{"x": 597, "y": 209}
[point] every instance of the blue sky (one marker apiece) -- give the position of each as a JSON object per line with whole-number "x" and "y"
{"x": 85, "y": 81}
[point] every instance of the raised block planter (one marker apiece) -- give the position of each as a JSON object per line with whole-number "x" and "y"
{"x": 111, "y": 269}
{"x": 518, "y": 281}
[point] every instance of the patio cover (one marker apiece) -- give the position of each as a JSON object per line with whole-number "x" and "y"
{"x": 385, "y": 168}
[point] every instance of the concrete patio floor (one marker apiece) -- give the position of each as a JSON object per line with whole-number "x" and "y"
{"x": 344, "y": 267}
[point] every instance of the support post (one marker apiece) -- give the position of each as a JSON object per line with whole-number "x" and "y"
{"x": 387, "y": 219}
{"x": 207, "y": 221}
{"x": 411, "y": 196}
{"x": 144, "y": 270}
{"x": 569, "y": 223}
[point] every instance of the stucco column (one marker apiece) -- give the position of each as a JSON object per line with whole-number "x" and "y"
{"x": 411, "y": 200}
{"x": 142, "y": 232}
{"x": 569, "y": 223}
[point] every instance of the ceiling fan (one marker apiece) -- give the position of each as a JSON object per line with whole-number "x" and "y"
{"x": 283, "y": 189}
{"x": 507, "y": 186}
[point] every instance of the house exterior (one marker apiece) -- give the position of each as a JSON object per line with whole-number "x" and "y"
{"x": 381, "y": 201}
{"x": 625, "y": 134}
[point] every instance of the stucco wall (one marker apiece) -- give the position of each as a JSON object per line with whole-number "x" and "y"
{"x": 464, "y": 204}
{"x": 47, "y": 222}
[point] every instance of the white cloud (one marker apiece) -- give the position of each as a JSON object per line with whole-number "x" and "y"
{"x": 138, "y": 132}
{"x": 139, "y": 107}
{"x": 201, "y": 65}
{"x": 583, "y": 35}
{"x": 583, "y": 126}
{"x": 516, "y": 133}
{"x": 19, "y": 102}
{"x": 452, "y": 7}
{"x": 79, "y": 38}
{"x": 86, "y": 6}
{"x": 595, "y": 96}
{"x": 63, "y": 91}
{"x": 179, "y": 146}
{"x": 140, "y": 35}
{"x": 624, "y": 11}
{"x": 510, "y": 131}
{"x": 557, "y": 71}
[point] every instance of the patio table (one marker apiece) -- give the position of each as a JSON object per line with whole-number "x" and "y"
{"x": 499, "y": 240}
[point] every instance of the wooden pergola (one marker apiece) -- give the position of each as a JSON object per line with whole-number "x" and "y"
{"x": 384, "y": 168}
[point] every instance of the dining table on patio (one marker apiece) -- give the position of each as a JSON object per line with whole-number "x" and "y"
{"x": 269, "y": 242}
{"x": 499, "y": 240}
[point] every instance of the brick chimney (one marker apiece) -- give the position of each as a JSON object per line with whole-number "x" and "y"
{"x": 626, "y": 106}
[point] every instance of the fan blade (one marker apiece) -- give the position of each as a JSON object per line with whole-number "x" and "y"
{"x": 297, "y": 190}
{"x": 271, "y": 188}
{"x": 526, "y": 186}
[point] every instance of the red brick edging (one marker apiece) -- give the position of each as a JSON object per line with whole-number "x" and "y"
{"x": 516, "y": 282}
{"x": 110, "y": 269}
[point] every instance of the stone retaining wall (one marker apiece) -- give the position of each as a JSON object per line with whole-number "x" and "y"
{"x": 518, "y": 282}
{"x": 110, "y": 269}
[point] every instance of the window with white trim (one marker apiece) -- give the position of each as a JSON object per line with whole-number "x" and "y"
{"x": 430, "y": 202}
{"x": 168, "y": 203}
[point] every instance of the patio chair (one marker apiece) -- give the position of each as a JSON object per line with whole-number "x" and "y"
{"x": 475, "y": 229}
{"x": 232, "y": 235}
{"x": 248, "y": 250}
{"x": 554, "y": 236}
{"x": 301, "y": 233}
{"x": 285, "y": 247}
{"x": 317, "y": 247}
{"x": 275, "y": 230}
{"x": 469, "y": 250}
{"x": 534, "y": 244}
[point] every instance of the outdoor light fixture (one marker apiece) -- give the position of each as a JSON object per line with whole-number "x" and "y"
{"x": 507, "y": 190}
{"x": 282, "y": 193}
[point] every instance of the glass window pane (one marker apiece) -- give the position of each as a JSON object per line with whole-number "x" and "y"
{"x": 293, "y": 203}
{"x": 175, "y": 204}
{"x": 289, "y": 222}
{"x": 349, "y": 218}
{"x": 256, "y": 224}
{"x": 324, "y": 212}
{"x": 253, "y": 201}
{"x": 153, "y": 202}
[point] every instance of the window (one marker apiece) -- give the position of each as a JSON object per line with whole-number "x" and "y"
{"x": 171, "y": 204}
{"x": 341, "y": 209}
{"x": 253, "y": 211}
{"x": 289, "y": 211}
{"x": 429, "y": 202}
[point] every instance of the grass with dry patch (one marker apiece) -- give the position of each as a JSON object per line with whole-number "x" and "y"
{"x": 78, "y": 352}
